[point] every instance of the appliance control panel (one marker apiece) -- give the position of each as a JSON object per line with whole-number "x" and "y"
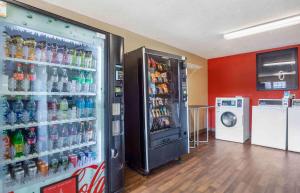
{"x": 239, "y": 103}
{"x": 296, "y": 103}
{"x": 184, "y": 82}
{"x": 229, "y": 103}
{"x": 270, "y": 102}
{"x": 118, "y": 87}
{"x": 117, "y": 105}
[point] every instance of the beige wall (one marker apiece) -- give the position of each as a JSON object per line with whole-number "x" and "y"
{"x": 197, "y": 79}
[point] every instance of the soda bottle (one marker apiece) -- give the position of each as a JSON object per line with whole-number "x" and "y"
{"x": 18, "y": 109}
{"x": 63, "y": 107}
{"x": 42, "y": 78}
{"x": 89, "y": 132}
{"x": 53, "y": 137}
{"x": 31, "y": 109}
{"x": 52, "y": 109}
{"x": 89, "y": 107}
{"x": 64, "y": 79}
{"x": 4, "y": 110}
{"x": 54, "y": 80}
{"x": 80, "y": 106}
{"x": 7, "y": 144}
{"x": 42, "y": 139}
{"x": 73, "y": 133}
{"x": 65, "y": 135}
{"x": 81, "y": 133}
{"x": 19, "y": 77}
{"x": 31, "y": 140}
{"x": 89, "y": 80}
{"x": 82, "y": 80}
{"x": 31, "y": 77}
{"x": 18, "y": 142}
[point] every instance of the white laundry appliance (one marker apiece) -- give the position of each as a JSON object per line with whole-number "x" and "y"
{"x": 232, "y": 119}
{"x": 269, "y": 123}
{"x": 294, "y": 126}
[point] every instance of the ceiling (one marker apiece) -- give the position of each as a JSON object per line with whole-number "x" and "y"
{"x": 196, "y": 25}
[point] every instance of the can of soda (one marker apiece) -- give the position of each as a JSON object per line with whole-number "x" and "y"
{"x": 81, "y": 158}
{"x": 44, "y": 169}
{"x": 73, "y": 159}
{"x": 64, "y": 162}
{"x": 32, "y": 171}
{"x": 84, "y": 158}
{"x": 19, "y": 175}
{"x": 8, "y": 178}
{"x": 54, "y": 165}
{"x": 39, "y": 164}
{"x": 31, "y": 163}
{"x": 94, "y": 156}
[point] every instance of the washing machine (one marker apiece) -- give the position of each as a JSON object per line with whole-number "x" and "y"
{"x": 269, "y": 123}
{"x": 232, "y": 119}
{"x": 294, "y": 126}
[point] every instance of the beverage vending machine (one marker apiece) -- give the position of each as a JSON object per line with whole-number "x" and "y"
{"x": 61, "y": 104}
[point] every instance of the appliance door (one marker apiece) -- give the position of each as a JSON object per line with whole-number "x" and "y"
{"x": 52, "y": 97}
{"x": 293, "y": 129}
{"x": 228, "y": 119}
{"x": 269, "y": 126}
{"x": 163, "y": 100}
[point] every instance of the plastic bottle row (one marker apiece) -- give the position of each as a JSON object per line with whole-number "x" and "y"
{"x": 27, "y": 141}
{"x": 38, "y": 168}
{"x": 29, "y": 49}
{"x": 18, "y": 111}
{"x": 23, "y": 77}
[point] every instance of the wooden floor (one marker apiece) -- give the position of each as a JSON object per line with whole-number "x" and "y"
{"x": 222, "y": 166}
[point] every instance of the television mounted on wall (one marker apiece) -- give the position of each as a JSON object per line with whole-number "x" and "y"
{"x": 277, "y": 70}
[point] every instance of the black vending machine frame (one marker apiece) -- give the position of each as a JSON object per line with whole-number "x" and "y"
{"x": 140, "y": 154}
{"x": 113, "y": 55}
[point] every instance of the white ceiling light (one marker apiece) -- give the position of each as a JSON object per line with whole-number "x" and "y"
{"x": 279, "y": 63}
{"x": 263, "y": 27}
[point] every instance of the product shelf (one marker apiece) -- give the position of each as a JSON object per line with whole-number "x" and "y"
{"x": 23, "y": 61}
{"x": 44, "y": 123}
{"x": 46, "y": 153}
{"x": 25, "y": 93}
{"x": 45, "y": 179}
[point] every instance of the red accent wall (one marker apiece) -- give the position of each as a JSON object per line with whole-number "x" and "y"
{"x": 235, "y": 75}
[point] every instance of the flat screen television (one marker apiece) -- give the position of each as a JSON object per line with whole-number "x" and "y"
{"x": 277, "y": 70}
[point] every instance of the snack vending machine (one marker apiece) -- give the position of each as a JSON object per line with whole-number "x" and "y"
{"x": 61, "y": 104}
{"x": 156, "y": 119}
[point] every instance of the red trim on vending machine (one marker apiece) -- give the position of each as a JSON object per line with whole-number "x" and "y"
{"x": 68, "y": 185}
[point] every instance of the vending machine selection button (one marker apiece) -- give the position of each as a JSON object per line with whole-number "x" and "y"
{"x": 118, "y": 91}
{"x": 116, "y": 109}
{"x": 116, "y": 129}
{"x": 119, "y": 75}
